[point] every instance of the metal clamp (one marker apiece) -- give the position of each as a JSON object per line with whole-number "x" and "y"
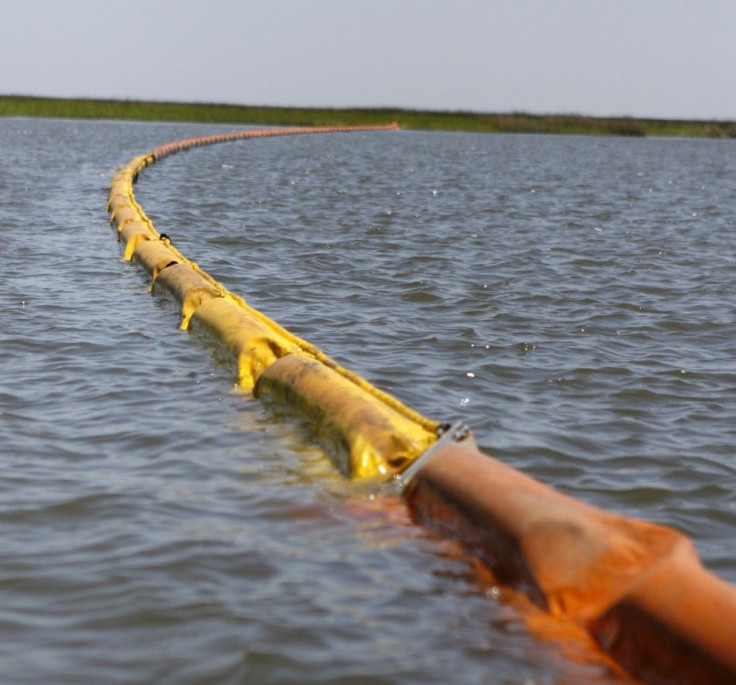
{"x": 456, "y": 432}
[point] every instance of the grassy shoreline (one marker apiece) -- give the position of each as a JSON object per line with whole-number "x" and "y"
{"x": 517, "y": 122}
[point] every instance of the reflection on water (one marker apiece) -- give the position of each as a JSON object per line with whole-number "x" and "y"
{"x": 569, "y": 297}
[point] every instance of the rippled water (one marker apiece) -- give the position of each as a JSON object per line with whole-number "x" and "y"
{"x": 571, "y": 298}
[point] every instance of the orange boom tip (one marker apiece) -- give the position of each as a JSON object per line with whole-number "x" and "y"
{"x": 637, "y": 588}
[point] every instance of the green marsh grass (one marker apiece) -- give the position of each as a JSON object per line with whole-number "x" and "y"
{"x": 516, "y": 122}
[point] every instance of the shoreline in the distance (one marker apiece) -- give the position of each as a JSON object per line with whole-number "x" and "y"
{"x": 515, "y": 122}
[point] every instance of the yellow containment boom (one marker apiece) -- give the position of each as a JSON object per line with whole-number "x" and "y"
{"x": 636, "y": 590}
{"x": 368, "y": 432}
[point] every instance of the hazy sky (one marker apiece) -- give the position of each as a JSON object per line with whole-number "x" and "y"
{"x": 658, "y": 58}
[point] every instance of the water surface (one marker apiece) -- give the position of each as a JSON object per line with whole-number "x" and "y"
{"x": 570, "y": 298}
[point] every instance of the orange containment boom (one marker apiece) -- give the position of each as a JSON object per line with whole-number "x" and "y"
{"x": 637, "y": 589}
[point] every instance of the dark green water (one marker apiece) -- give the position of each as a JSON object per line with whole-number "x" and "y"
{"x": 571, "y": 298}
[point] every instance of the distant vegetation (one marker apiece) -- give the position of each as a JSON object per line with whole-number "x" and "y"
{"x": 516, "y": 122}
